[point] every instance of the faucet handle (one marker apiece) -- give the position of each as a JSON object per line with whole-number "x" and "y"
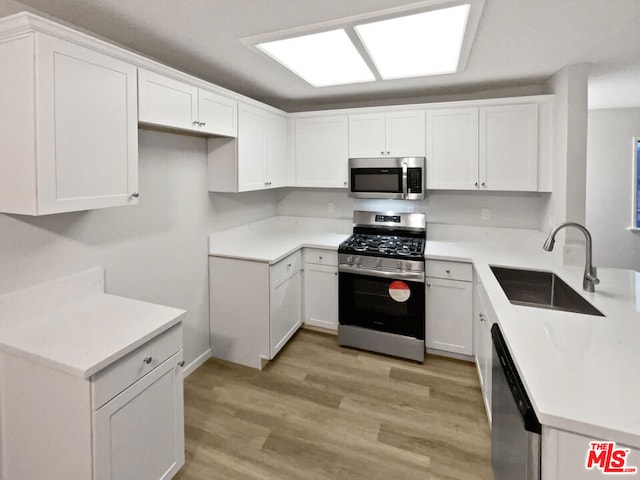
{"x": 592, "y": 275}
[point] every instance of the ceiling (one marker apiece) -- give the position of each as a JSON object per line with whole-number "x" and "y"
{"x": 518, "y": 43}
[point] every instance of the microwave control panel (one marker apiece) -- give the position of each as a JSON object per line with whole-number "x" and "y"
{"x": 414, "y": 180}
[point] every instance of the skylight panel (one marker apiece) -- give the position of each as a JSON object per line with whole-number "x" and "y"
{"x": 322, "y": 59}
{"x": 426, "y": 43}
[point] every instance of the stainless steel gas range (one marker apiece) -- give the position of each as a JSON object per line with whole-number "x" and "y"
{"x": 381, "y": 284}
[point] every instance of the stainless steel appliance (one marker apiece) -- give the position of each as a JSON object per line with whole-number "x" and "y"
{"x": 381, "y": 284}
{"x": 387, "y": 177}
{"x": 515, "y": 429}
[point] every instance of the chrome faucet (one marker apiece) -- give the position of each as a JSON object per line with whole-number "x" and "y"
{"x": 590, "y": 279}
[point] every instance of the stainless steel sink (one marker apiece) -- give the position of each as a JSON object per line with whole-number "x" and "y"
{"x": 542, "y": 290}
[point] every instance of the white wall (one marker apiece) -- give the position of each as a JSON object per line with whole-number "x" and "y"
{"x": 567, "y": 202}
{"x": 609, "y": 187}
{"x": 509, "y": 209}
{"x": 155, "y": 251}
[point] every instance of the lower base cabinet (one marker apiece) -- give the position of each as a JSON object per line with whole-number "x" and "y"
{"x": 126, "y": 422}
{"x": 321, "y": 288}
{"x": 254, "y": 307}
{"x": 449, "y": 307}
{"x": 483, "y": 319}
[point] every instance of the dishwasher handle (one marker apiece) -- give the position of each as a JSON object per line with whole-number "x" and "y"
{"x": 516, "y": 386}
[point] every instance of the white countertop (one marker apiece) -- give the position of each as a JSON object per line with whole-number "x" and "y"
{"x": 273, "y": 239}
{"x": 580, "y": 371}
{"x": 84, "y": 332}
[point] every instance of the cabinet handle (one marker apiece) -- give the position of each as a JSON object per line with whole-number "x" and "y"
{"x": 320, "y": 258}
{"x": 388, "y": 153}
{"x": 181, "y": 364}
{"x": 484, "y": 184}
{"x": 202, "y": 124}
{"x": 345, "y": 184}
{"x": 288, "y": 265}
{"x": 448, "y": 271}
{"x": 147, "y": 360}
{"x": 475, "y": 184}
{"x": 335, "y": 273}
{"x": 196, "y": 122}
{"x": 428, "y": 284}
{"x": 381, "y": 152}
{"x": 135, "y": 194}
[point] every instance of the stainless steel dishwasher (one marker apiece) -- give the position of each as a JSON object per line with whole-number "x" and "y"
{"x": 515, "y": 429}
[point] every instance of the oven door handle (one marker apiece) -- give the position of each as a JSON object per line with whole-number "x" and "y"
{"x": 409, "y": 276}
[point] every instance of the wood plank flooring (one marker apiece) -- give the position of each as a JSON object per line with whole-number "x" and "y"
{"x": 321, "y": 412}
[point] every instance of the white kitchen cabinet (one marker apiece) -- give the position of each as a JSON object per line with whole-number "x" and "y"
{"x": 139, "y": 434}
{"x": 452, "y": 149}
{"x": 322, "y": 151}
{"x": 285, "y": 305}
{"x": 483, "y": 319}
{"x": 483, "y": 148}
{"x": 564, "y": 456}
{"x": 255, "y": 307}
{"x": 321, "y": 288}
{"x": 256, "y": 160}
{"x": 508, "y": 156}
{"x": 123, "y": 422}
{"x": 170, "y": 103}
{"x": 394, "y": 133}
{"x": 449, "y": 307}
{"x": 68, "y": 126}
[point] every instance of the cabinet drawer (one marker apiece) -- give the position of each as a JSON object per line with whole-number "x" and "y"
{"x": 321, "y": 256}
{"x": 451, "y": 270}
{"x": 125, "y": 371}
{"x": 285, "y": 267}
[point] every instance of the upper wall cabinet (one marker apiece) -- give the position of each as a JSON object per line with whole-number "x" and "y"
{"x": 169, "y": 103}
{"x": 256, "y": 160}
{"x": 322, "y": 151}
{"x": 395, "y": 133}
{"x": 68, "y": 123}
{"x": 483, "y": 148}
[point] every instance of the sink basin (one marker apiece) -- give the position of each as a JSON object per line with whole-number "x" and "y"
{"x": 533, "y": 288}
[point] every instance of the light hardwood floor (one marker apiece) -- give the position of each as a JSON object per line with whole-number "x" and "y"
{"x": 321, "y": 412}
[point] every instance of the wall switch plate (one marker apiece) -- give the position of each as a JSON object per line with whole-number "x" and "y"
{"x": 485, "y": 213}
{"x": 331, "y": 207}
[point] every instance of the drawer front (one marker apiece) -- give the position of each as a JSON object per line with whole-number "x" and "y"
{"x": 450, "y": 270}
{"x": 285, "y": 267}
{"x": 127, "y": 370}
{"x": 320, "y": 256}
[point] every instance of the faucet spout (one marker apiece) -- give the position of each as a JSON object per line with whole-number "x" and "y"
{"x": 590, "y": 279}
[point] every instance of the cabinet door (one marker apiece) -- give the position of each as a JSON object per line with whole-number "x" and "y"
{"x": 483, "y": 345}
{"x": 251, "y": 149}
{"x": 167, "y": 102}
{"x": 367, "y": 135}
{"x": 449, "y": 315}
{"x": 87, "y": 132}
{"x": 321, "y": 296}
{"x": 509, "y": 147}
{"x": 285, "y": 310}
{"x": 276, "y": 152}
{"x": 139, "y": 435}
{"x": 405, "y": 133}
{"x": 322, "y": 151}
{"x": 452, "y": 149}
{"x": 218, "y": 114}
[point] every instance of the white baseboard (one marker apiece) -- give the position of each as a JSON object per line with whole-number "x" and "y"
{"x": 189, "y": 369}
{"x": 457, "y": 356}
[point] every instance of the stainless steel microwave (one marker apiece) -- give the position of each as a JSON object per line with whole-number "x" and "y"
{"x": 387, "y": 177}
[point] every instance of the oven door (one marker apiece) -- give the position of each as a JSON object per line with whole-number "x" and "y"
{"x": 393, "y": 303}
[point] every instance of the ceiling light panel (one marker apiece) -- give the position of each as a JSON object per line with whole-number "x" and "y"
{"x": 426, "y": 43}
{"x": 322, "y": 59}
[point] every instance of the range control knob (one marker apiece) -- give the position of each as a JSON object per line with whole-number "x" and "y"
{"x": 379, "y": 262}
{"x": 349, "y": 259}
{"x": 408, "y": 265}
{"x": 399, "y": 265}
{"x": 358, "y": 260}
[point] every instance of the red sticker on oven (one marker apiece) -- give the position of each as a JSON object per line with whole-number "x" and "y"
{"x": 399, "y": 291}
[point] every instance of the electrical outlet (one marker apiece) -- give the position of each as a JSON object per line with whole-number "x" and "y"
{"x": 485, "y": 213}
{"x": 331, "y": 207}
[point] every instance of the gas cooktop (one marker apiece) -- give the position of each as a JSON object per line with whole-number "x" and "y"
{"x": 383, "y": 245}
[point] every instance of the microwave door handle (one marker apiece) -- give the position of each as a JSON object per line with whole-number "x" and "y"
{"x": 404, "y": 179}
